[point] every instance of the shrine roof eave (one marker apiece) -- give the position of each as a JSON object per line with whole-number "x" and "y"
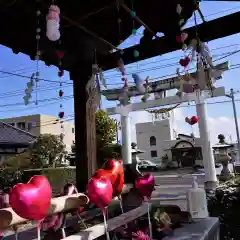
{"x": 218, "y": 28}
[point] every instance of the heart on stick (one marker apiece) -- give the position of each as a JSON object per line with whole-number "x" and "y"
{"x": 145, "y": 185}
{"x": 117, "y": 177}
{"x": 31, "y": 200}
{"x": 114, "y": 172}
{"x": 100, "y": 191}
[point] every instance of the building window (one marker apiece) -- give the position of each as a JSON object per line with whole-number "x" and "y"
{"x": 153, "y": 153}
{"x": 73, "y": 130}
{"x": 30, "y": 126}
{"x": 21, "y": 125}
{"x": 152, "y": 141}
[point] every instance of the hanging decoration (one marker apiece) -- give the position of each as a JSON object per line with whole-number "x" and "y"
{"x": 53, "y": 34}
{"x": 134, "y": 30}
{"x": 29, "y": 90}
{"x": 120, "y": 65}
{"x": 142, "y": 86}
{"x": 193, "y": 120}
{"x": 32, "y": 200}
{"x": 146, "y": 185}
{"x": 53, "y": 23}
{"x": 162, "y": 112}
{"x": 61, "y": 113}
{"x": 35, "y": 76}
{"x": 121, "y": 68}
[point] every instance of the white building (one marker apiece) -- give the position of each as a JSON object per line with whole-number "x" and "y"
{"x": 42, "y": 124}
{"x": 151, "y": 137}
{"x": 158, "y": 139}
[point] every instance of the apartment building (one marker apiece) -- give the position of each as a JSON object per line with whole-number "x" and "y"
{"x": 43, "y": 124}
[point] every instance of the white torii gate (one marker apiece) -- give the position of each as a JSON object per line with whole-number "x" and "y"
{"x": 199, "y": 98}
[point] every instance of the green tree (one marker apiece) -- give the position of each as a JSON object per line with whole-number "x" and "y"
{"x": 221, "y": 138}
{"x": 20, "y": 161}
{"x": 106, "y": 133}
{"x": 106, "y": 128}
{"x": 48, "y": 150}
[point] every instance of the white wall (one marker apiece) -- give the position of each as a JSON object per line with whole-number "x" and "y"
{"x": 167, "y": 145}
{"x": 162, "y": 130}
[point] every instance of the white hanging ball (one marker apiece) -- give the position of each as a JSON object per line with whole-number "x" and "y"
{"x": 53, "y": 36}
{"x": 53, "y": 32}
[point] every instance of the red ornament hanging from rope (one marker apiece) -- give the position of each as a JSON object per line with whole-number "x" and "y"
{"x": 61, "y": 115}
{"x": 60, "y": 93}
{"x": 193, "y": 120}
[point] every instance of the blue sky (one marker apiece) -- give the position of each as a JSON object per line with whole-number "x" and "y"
{"x": 12, "y": 90}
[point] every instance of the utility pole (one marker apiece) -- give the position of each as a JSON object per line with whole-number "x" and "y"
{"x": 235, "y": 119}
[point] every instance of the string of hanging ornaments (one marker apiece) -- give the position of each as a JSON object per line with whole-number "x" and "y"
{"x": 206, "y": 74}
{"x": 53, "y": 34}
{"x": 35, "y": 76}
{"x": 120, "y": 64}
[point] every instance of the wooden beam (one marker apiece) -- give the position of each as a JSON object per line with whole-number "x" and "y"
{"x": 158, "y": 85}
{"x": 99, "y": 230}
{"x": 61, "y": 204}
{"x": 218, "y": 28}
{"x": 166, "y": 101}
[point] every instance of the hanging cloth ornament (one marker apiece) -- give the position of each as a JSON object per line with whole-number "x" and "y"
{"x": 121, "y": 68}
{"x": 139, "y": 83}
{"x": 53, "y": 23}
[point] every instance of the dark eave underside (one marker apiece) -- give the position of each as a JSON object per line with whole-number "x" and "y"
{"x": 18, "y": 26}
{"x": 212, "y": 30}
{"x": 18, "y": 30}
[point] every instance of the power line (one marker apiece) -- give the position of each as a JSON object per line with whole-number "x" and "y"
{"x": 23, "y": 76}
{"x": 40, "y": 101}
{"x": 144, "y": 63}
{"x": 167, "y": 65}
{"x": 21, "y": 92}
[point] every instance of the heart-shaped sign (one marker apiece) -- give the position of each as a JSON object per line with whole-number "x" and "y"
{"x": 145, "y": 185}
{"x": 32, "y": 200}
{"x": 100, "y": 191}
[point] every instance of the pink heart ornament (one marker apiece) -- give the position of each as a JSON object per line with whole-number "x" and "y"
{"x": 145, "y": 185}
{"x": 100, "y": 191}
{"x": 32, "y": 200}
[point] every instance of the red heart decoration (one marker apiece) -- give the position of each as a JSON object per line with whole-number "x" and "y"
{"x": 32, "y": 200}
{"x": 145, "y": 185}
{"x": 194, "y": 120}
{"x": 117, "y": 177}
{"x": 185, "y": 61}
{"x": 179, "y": 39}
{"x": 100, "y": 191}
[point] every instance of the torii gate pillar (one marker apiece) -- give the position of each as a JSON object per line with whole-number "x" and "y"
{"x": 207, "y": 152}
{"x": 126, "y": 138}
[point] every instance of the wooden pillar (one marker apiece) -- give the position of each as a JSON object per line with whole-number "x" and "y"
{"x": 84, "y": 125}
